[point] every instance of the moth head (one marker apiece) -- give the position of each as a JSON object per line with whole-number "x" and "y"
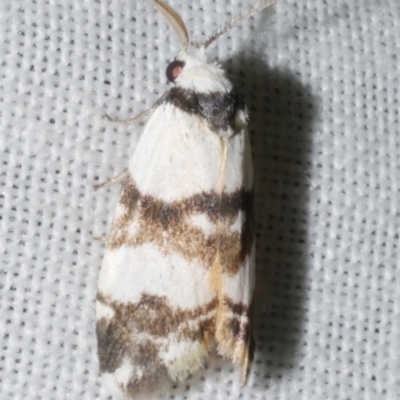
{"x": 185, "y": 61}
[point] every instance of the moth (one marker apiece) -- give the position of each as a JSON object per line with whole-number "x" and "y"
{"x": 178, "y": 274}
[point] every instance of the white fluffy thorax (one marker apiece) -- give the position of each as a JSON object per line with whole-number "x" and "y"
{"x": 200, "y": 76}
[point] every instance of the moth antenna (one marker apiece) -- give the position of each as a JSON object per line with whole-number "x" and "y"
{"x": 230, "y": 25}
{"x": 175, "y": 21}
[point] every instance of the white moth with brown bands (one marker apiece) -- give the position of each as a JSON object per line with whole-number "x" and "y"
{"x": 178, "y": 275}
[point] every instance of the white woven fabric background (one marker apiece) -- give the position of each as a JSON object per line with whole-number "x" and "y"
{"x": 321, "y": 79}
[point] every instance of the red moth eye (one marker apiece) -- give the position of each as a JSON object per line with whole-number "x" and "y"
{"x": 174, "y": 69}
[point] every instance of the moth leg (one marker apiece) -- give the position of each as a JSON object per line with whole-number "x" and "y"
{"x": 103, "y": 238}
{"x": 112, "y": 180}
{"x": 132, "y": 120}
{"x": 140, "y": 116}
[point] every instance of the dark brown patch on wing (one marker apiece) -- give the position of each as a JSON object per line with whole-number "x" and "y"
{"x": 137, "y": 333}
{"x": 238, "y": 325}
{"x": 168, "y": 225}
{"x": 115, "y": 345}
{"x": 234, "y": 334}
{"x": 129, "y": 194}
{"x": 153, "y": 315}
{"x": 233, "y": 326}
{"x": 155, "y": 374}
{"x": 218, "y": 109}
{"x": 236, "y": 308}
{"x": 226, "y": 205}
